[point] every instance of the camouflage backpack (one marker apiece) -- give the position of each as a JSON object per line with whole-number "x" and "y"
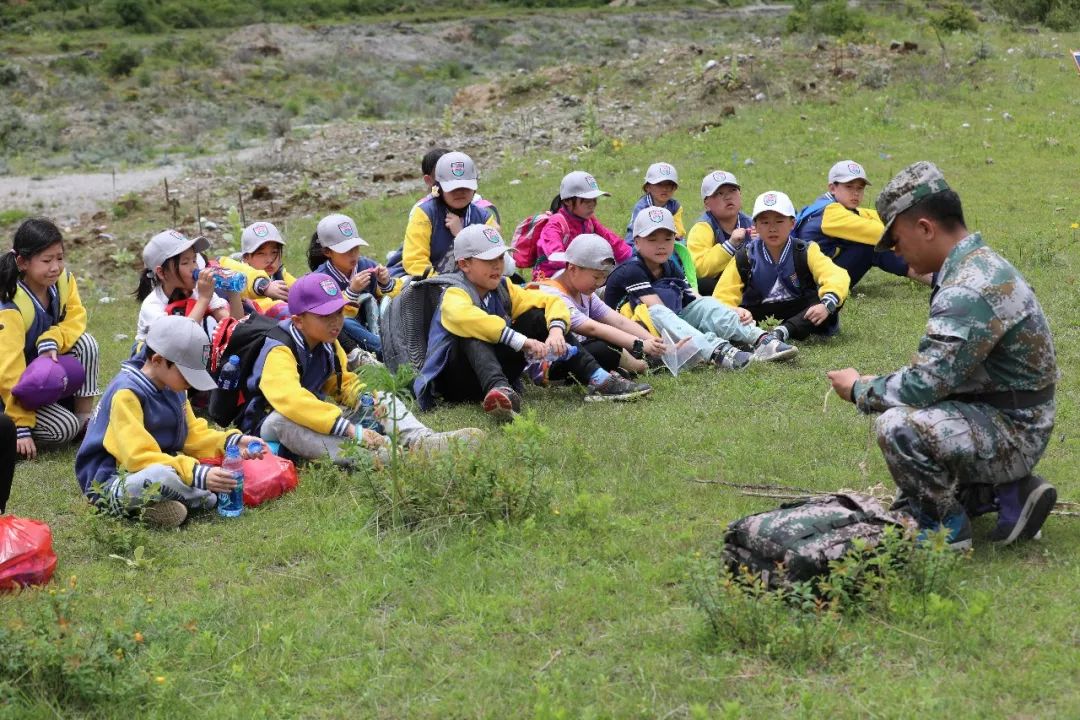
{"x": 797, "y": 541}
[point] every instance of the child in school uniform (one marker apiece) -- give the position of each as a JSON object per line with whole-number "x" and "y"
{"x": 720, "y": 231}
{"x": 778, "y": 275}
{"x": 302, "y": 395}
{"x": 847, "y": 233}
{"x": 654, "y": 291}
{"x": 661, "y": 183}
{"x": 167, "y": 285}
{"x": 436, "y": 221}
{"x": 335, "y": 250}
{"x": 486, "y": 330}
{"x": 614, "y": 340}
{"x": 41, "y": 314}
{"x": 144, "y": 435}
{"x": 261, "y": 262}
{"x": 574, "y": 213}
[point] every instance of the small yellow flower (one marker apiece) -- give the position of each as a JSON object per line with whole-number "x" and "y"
{"x": 138, "y": 637}
{"x": 160, "y": 679}
{"x": 616, "y": 144}
{"x": 555, "y": 510}
{"x": 1075, "y": 226}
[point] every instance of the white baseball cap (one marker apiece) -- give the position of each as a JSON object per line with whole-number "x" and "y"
{"x": 580, "y": 184}
{"x": 256, "y": 234}
{"x": 715, "y": 180}
{"x": 479, "y": 241}
{"x": 338, "y": 233}
{"x": 847, "y": 170}
{"x": 661, "y": 172}
{"x": 588, "y": 251}
{"x": 775, "y": 201}
{"x": 184, "y": 343}
{"x": 167, "y": 244}
{"x": 456, "y": 170}
{"x": 651, "y": 219}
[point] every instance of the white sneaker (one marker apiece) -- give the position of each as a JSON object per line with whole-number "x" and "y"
{"x": 359, "y": 357}
{"x": 769, "y": 348}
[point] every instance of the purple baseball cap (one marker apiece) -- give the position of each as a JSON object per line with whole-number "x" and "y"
{"x": 316, "y": 293}
{"x": 45, "y": 382}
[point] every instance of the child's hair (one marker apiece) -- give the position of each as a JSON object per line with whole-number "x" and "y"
{"x": 431, "y": 159}
{"x": 316, "y": 253}
{"x": 557, "y": 203}
{"x": 148, "y": 280}
{"x": 34, "y": 236}
{"x": 149, "y": 352}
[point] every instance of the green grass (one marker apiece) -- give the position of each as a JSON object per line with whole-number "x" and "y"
{"x": 303, "y": 608}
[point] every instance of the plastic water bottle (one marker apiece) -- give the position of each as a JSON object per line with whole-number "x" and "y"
{"x": 226, "y": 280}
{"x": 539, "y": 369}
{"x": 231, "y": 504}
{"x": 366, "y": 416}
{"x": 229, "y": 377}
{"x": 571, "y": 351}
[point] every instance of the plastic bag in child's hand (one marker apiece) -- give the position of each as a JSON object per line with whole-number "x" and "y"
{"x": 26, "y": 552}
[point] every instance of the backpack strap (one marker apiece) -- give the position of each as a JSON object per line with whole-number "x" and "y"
{"x": 742, "y": 264}
{"x": 800, "y": 251}
{"x": 810, "y": 211}
{"x": 26, "y": 306}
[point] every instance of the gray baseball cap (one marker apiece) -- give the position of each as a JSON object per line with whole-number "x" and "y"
{"x": 661, "y": 172}
{"x": 456, "y": 170}
{"x": 846, "y": 171}
{"x": 479, "y": 241}
{"x": 907, "y": 189}
{"x": 256, "y": 234}
{"x": 587, "y": 251}
{"x": 715, "y": 180}
{"x": 580, "y": 184}
{"x": 183, "y": 342}
{"x": 651, "y": 219}
{"x": 167, "y": 244}
{"x": 338, "y": 233}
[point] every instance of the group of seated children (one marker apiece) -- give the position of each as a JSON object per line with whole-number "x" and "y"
{"x": 600, "y": 310}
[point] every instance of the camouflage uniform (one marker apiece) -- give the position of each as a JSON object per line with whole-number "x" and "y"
{"x": 976, "y": 403}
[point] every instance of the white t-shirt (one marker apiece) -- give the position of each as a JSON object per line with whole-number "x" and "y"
{"x": 154, "y": 306}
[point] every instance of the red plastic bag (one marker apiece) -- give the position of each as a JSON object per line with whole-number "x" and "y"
{"x": 266, "y": 478}
{"x": 26, "y": 553}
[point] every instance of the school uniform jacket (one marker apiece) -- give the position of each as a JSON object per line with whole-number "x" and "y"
{"x": 673, "y": 206}
{"x": 374, "y": 288}
{"x": 710, "y": 246}
{"x": 427, "y": 240}
{"x": 137, "y": 425}
{"x": 826, "y": 221}
{"x": 832, "y": 281}
{"x": 302, "y": 386}
{"x": 256, "y": 281}
{"x": 28, "y": 329}
{"x": 463, "y": 312}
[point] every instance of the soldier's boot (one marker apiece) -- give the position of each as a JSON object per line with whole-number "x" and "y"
{"x": 956, "y": 523}
{"x": 1024, "y": 506}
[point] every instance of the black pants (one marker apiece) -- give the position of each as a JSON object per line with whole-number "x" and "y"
{"x": 8, "y": 455}
{"x": 476, "y": 367}
{"x": 791, "y": 313}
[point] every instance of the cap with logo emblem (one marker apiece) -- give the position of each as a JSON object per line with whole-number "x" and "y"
{"x": 338, "y": 233}
{"x": 846, "y": 171}
{"x": 588, "y": 251}
{"x": 580, "y": 184}
{"x": 456, "y": 170}
{"x": 774, "y": 201}
{"x": 479, "y": 241}
{"x": 168, "y": 244}
{"x": 716, "y": 180}
{"x": 183, "y": 343}
{"x": 256, "y": 234}
{"x": 315, "y": 293}
{"x": 661, "y": 172}
{"x": 651, "y": 219}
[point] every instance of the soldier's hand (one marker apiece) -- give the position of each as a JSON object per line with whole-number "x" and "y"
{"x": 843, "y": 381}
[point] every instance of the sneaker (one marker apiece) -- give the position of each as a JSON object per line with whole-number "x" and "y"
{"x": 615, "y": 389}
{"x": 359, "y": 357}
{"x": 769, "y": 348}
{"x": 440, "y": 441}
{"x": 1024, "y": 506}
{"x": 729, "y": 357}
{"x": 502, "y": 403}
{"x": 956, "y": 523}
{"x": 164, "y": 514}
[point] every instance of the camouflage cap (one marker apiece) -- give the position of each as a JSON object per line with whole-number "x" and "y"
{"x": 905, "y": 190}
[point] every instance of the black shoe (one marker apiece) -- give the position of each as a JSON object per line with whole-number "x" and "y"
{"x": 616, "y": 388}
{"x": 1024, "y": 506}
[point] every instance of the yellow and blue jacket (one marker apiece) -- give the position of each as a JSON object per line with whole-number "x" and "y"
{"x": 751, "y": 278}
{"x": 28, "y": 329}
{"x": 257, "y": 280}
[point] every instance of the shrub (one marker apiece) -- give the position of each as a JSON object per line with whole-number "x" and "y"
{"x": 1058, "y": 14}
{"x": 833, "y": 17}
{"x": 954, "y": 17}
{"x": 119, "y": 60}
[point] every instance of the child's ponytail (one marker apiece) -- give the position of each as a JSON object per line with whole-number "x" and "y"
{"x": 556, "y": 204}
{"x": 147, "y": 281}
{"x": 34, "y": 236}
{"x": 315, "y": 254}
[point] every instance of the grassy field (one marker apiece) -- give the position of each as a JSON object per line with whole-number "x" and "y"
{"x": 307, "y": 607}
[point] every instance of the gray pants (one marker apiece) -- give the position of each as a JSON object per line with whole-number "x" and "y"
{"x": 708, "y": 323}
{"x": 304, "y": 442}
{"x": 122, "y": 494}
{"x": 933, "y": 451}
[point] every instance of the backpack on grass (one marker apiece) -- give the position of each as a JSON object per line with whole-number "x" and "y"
{"x": 797, "y": 541}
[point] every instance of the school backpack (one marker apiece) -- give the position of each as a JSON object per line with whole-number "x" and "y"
{"x": 243, "y": 338}
{"x": 525, "y": 238}
{"x": 406, "y": 321}
{"x": 798, "y": 541}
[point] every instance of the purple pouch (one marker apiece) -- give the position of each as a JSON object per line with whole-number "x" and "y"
{"x": 45, "y": 382}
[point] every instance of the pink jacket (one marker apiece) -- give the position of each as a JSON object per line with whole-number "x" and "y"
{"x": 564, "y": 227}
